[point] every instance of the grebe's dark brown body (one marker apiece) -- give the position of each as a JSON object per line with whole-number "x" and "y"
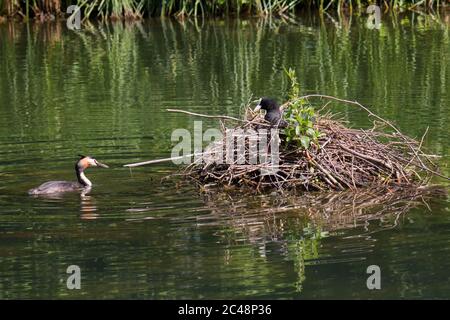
{"x": 52, "y": 187}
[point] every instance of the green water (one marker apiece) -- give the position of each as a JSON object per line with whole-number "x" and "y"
{"x": 103, "y": 91}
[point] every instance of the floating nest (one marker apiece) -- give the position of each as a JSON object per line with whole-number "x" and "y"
{"x": 342, "y": 157}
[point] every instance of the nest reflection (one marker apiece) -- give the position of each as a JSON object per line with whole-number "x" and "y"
{"x": 294, "y": 226}
{"x": 261, "y": 218}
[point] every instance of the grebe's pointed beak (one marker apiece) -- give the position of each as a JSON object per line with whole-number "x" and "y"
{"x": 102, "y": 165}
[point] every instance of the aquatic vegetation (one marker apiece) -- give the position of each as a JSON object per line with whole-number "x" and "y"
{"x": 300, "y": 116}
{"x": 301, "y": 129}
{"x": 136, "y": 9}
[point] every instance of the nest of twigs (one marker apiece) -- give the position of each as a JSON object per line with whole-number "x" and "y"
{"x": 342, "y": 158}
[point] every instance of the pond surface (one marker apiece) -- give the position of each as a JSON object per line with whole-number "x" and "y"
{"x": 103, "y": 91}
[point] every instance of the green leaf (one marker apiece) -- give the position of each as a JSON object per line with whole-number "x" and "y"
{"x": 305, "y": 141}
{"x": 311, "y": 132}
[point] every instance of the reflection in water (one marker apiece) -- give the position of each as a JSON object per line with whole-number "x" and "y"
{"x": 127, "y": 62}
{"x": 87, "y": 203}
{"x": 88, "y": 208}
{"x": 104, "y": 91}
{"x": 264, "y": 218}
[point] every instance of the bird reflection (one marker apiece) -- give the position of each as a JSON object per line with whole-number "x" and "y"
{"x": 88, "y": 208}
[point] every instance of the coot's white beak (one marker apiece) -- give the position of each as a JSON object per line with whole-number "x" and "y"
{"x": 257, "y": 108}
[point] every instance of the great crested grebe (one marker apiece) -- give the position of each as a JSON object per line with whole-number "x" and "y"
{"x": 273, "y": 112}
{"x": 52, "y": 187}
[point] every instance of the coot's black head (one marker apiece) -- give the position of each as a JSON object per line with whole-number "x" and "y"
{"x": 267, "y": 104}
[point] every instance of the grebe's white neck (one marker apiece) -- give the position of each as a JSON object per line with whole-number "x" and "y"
{"x": 85, "y": 180}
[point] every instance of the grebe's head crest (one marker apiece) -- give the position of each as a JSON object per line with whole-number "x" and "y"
{"x": 87, "y": 161}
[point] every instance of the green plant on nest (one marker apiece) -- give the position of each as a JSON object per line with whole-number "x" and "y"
{"x": 300, "y": 116}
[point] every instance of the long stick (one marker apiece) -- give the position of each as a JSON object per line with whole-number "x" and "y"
{"x": 206, "y": 116}
{"x": 138, "y": 164}
{"x": 217, "y": 117}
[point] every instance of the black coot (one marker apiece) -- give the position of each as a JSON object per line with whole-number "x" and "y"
{"x": 273, "y": 113}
